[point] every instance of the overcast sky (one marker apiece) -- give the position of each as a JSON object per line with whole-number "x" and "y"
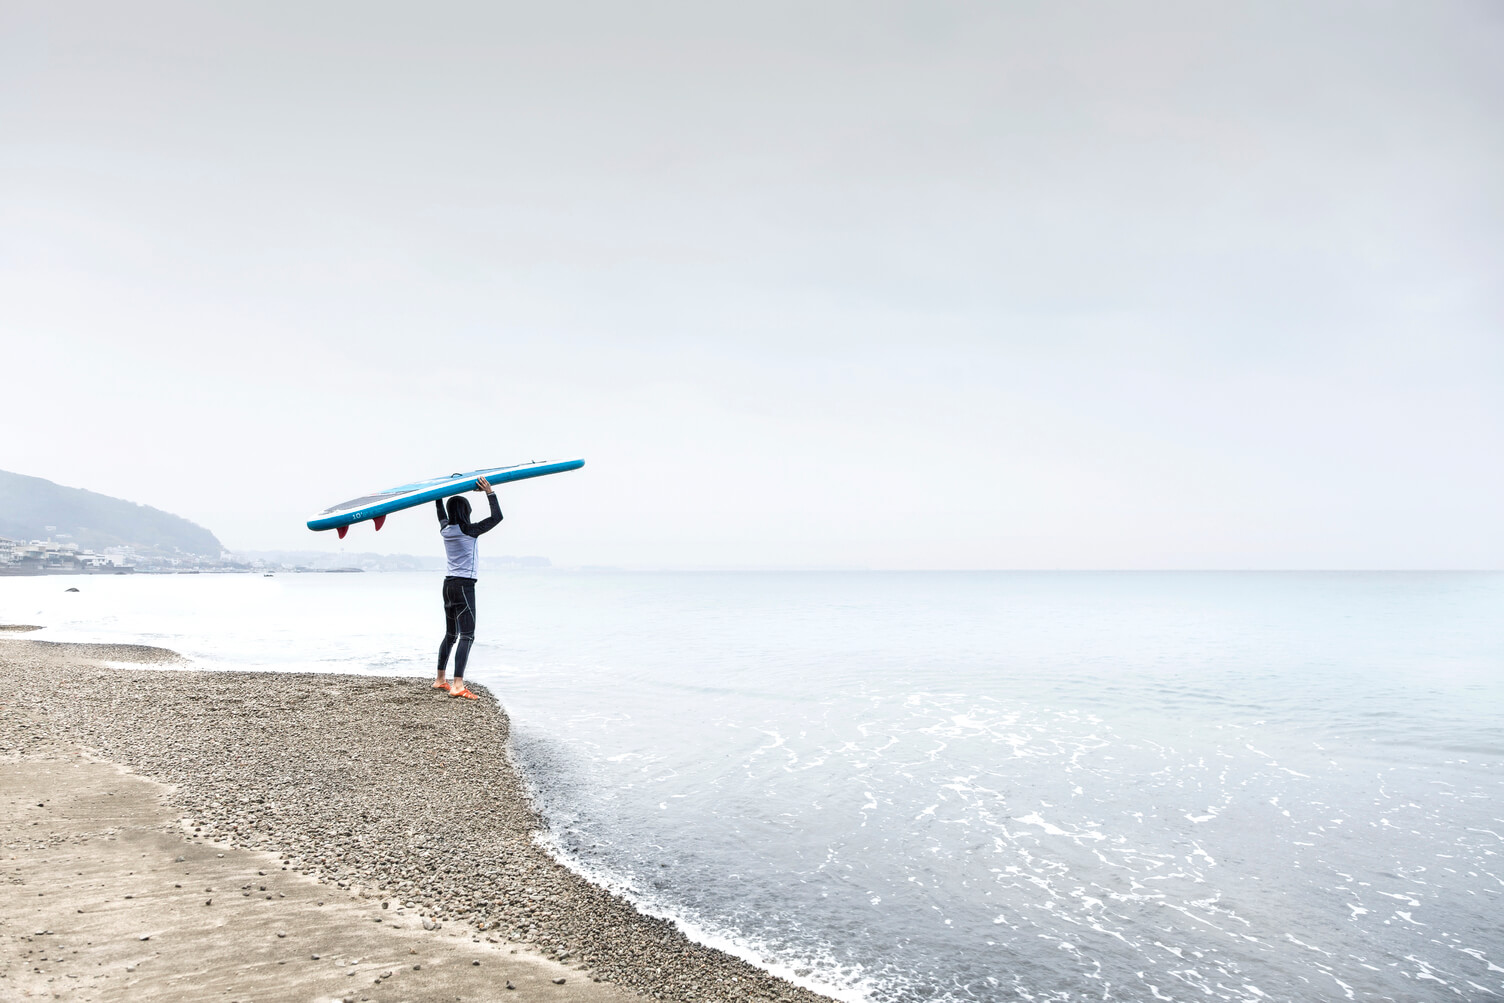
{"x": 933, "y": 285}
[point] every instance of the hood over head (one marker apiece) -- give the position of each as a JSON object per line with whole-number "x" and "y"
{"x": 458, "y": 509}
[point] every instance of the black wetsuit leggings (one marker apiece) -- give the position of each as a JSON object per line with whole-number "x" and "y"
{"x": 459, "y": 623}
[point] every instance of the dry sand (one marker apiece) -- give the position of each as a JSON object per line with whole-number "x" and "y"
{"x": 246, "y": 822}
{"x": 104, "y": 900}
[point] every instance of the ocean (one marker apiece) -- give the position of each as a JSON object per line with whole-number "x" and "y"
{"x": 960, "y": 786}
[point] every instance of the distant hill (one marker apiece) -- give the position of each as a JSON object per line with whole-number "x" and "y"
{"x": 28, "y": 505}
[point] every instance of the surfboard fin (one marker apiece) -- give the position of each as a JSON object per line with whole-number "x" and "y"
{"x": 342, "y": 530}
{"x": 380, "y": 521}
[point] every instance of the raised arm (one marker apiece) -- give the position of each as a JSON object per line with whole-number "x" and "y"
{"x": 438, "y": 503}
{"x": 489, "y": 522}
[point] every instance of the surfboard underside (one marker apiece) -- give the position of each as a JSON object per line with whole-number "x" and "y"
{"x": 377, "y": 506}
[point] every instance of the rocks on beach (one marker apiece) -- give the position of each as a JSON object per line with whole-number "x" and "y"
{"x": 361, "y": 783}
{"x": 106, "y": 848}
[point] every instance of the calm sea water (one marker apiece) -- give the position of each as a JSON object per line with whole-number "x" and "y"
{"x": 968, "y": 786}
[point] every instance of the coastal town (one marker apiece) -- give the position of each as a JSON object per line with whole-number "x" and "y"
{"x": 64, "y": 557}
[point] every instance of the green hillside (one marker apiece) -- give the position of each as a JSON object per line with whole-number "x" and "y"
{"x": 28, "y": 505}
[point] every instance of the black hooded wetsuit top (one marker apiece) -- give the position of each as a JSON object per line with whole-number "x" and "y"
{"x": 459, "y": 585}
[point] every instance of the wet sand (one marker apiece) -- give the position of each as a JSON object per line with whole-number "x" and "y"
{"x": 104, "y": 900}
{"x": 245, "y": 822}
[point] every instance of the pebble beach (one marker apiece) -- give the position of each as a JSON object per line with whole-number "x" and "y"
{"x": 377, "y": 792}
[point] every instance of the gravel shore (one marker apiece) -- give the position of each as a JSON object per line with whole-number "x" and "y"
{"x": 371, "y": 784}
{"x": 105, "y": 901}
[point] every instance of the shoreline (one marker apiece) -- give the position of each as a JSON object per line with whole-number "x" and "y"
{"x": 373, "y": 786}
{"x": 130, "y": 910}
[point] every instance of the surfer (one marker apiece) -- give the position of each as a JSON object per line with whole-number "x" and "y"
{"x": 460, "y": 535}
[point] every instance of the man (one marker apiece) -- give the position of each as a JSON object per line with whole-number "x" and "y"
{"x": 460, "y": 536}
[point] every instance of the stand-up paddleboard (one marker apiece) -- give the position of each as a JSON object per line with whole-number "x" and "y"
{"x": 378, "y": 506}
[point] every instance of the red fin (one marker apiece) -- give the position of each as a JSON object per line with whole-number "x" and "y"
{"x": 380, "y": 520}
{"x": 342, "y": 530}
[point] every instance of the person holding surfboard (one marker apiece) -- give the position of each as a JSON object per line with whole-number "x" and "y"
{"x": 460, "y": 537}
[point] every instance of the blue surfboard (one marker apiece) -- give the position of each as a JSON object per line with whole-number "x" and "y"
{"x": 376, "y": 507}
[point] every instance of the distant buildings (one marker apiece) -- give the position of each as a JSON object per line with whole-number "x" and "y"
{"x": 58, "y": 557}
{"x": 50, "y": 557}
{"x": 37, "y": 557}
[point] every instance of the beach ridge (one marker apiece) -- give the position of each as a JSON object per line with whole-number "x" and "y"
{"x": 373, "y": 785}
